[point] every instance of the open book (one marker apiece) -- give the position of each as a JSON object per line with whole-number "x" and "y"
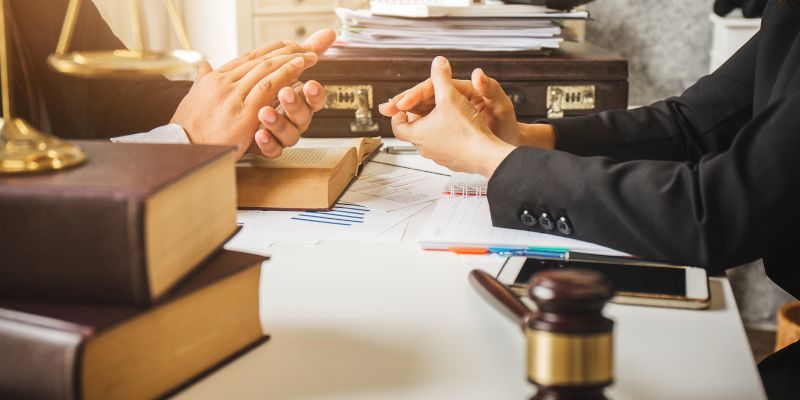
{"x": 310, "y": 176}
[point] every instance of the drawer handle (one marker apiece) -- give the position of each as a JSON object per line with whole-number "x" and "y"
{"x": 300, "y": 32}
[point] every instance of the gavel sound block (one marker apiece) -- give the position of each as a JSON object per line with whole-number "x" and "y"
{"x": 570, "y": 344}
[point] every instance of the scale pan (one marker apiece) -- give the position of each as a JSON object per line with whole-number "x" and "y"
{"x": 125, "y": 63}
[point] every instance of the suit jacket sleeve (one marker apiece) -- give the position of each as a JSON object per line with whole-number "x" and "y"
{"x": 726, "y": 209}
{"x": 704, "y": 119}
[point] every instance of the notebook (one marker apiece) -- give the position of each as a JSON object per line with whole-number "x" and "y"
{"x": 461, "y": 221}
{"x": 466, "y": 185}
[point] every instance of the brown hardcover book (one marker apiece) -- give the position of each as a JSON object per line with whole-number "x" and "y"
{"x": 122, "y": 229}
{"x": 309, "y": 176}
{"x": 577, "y": 79}
{"x": 55, "y": 351}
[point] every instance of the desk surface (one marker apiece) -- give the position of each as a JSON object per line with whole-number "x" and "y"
{"x": 355, "y": 320}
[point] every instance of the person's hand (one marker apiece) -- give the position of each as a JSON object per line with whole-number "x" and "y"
{"x": 223, "y": 105}
{"x": 483, "y": 92}
{"x": 489, "y": 99}
{"x": 283, "y": 126}
{"x": 453, "y": 133}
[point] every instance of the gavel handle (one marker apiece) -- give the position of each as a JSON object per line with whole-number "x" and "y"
{"x": 500, "y": 297}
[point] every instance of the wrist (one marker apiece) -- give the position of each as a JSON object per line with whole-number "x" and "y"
{"x": 538, "y": 135}
{"x": 492, "y": 155}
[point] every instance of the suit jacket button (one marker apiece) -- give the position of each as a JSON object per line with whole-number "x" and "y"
{"x": 564, "y": 225}
{"x": 546, "y": 221}
{"x": 527, "y": 218}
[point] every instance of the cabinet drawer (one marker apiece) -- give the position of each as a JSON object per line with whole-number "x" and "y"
{"x": 270, "y": 7}
{"x": 290, "y": 27}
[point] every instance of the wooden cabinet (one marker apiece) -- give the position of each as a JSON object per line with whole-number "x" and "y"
{"x": 263, "y": 21}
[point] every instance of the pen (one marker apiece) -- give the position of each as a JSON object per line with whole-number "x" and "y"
{"x": 552, "y": 256}
{"x": 530, "y": 253}
{"x": 469, "y": 250}
{"x": 402, "y": 150}
{"x": 550, "y": 249}
{"x": 551, "y": 253}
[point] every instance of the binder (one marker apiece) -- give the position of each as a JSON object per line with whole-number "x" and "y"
{"x": 466, "y": 185}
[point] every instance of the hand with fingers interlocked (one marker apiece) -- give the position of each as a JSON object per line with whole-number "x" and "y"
{"x": 454, "y": 132}
{"x": 234, "y": 104}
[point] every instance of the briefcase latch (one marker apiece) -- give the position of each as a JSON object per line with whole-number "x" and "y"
{"x": 353, "y": 97}
{"x": 562, "y": 98}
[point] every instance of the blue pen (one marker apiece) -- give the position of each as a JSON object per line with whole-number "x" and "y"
{"x": 550, "y": 249}
{"x": 517, "y": 252}
{"x": 556, "y": 250}
{"x": 506, "y": 250}
{"x": 543, "y": 254}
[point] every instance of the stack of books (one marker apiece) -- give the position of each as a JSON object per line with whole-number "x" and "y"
{"x": 113, "y": 282}
{"x": 452, "y": 25}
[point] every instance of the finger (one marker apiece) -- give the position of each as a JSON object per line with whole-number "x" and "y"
{"x": 282, "y": 129}
{"x": 320, "y": 40}
{"x": 401, "y": 127}
{"x": 487, "y": 87}
{"x": 413, "y": 117}
{"x": 388, "y": 109}
{"x": 412, "y": 97}
{"x": 267, "y": 144}
{"x": 295, "y": 108}
{"x": 266, "y": 90}
{"x": 442, "y": 78}
{"x": 253, "y": 55}
{"x": 268, "y": 67}
{"x": 289, "y": 49}
{"x": 203, "y": 69}
{"x": 420, "y": 98}
{"x": 315, "y": 95}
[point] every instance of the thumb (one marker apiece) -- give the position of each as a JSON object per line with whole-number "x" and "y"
{"x": 203, "y": 69}
{"x": 442, "y": 78}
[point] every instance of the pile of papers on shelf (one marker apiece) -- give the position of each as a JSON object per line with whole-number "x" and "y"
{"x": 438, "y": 25}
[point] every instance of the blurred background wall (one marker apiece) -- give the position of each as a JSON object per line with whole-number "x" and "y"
{"x": 666, "y": 42}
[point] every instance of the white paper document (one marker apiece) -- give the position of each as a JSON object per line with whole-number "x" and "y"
{"x": 258, "y": 239}
{"x": 489, "y": 9}
{"x": 466, "y": 222}
{"x": 346, "y": 221}
{"x": 392, "y": 191}
{"x": 484, "y": 28}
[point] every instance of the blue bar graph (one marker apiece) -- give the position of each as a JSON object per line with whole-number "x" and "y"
{"x": 342, "y": 214}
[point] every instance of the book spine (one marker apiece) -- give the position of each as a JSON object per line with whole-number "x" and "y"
{"x": 72, "y": 247}
{"x": 38, "y": 362}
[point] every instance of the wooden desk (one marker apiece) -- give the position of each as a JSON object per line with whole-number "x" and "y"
{"x": 388, "y": 321}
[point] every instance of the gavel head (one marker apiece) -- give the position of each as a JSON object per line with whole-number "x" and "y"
{"x": 570, "y": 343}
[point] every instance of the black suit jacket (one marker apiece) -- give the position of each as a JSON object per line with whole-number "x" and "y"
{"x": 74, "y": 107}
{"x": 709, "y": 178}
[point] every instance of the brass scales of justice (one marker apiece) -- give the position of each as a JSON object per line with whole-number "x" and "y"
{"x": 23, "y": 149}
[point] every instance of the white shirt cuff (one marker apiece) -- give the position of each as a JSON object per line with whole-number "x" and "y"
{"x": 172, "y": 133}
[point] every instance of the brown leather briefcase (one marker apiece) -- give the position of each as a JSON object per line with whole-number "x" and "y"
{"x": 577, "y": 79}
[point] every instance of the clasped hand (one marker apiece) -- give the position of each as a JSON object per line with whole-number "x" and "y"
{"x": 465, "y": 125}
{"x": 235, "y": 104}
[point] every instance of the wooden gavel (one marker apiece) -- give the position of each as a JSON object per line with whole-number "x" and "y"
{"x": 570, "y": 342}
